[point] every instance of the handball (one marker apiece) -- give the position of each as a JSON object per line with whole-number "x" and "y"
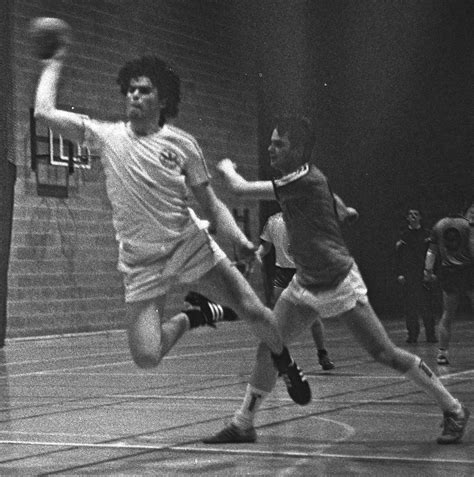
{"x": 48, "y": 35}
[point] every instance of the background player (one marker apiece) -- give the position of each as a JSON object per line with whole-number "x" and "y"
{"x": 410, "y": 255}
{"x": 450, "y": 247}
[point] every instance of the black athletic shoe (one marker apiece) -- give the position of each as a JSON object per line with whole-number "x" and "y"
{"x": 442, "y": 360}
{"x": 231, "y": 434}
{"x": 212, "y": 310}
{"x": 325, "y": 362}
{"x": 294, "y": 378}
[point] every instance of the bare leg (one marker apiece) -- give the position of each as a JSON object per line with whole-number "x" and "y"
{"x": 264, "y": 374}
{"x": 450, "y": 306}
{"x": 148, "y": 339}
{"x": 317, "y": 332}
{"x": 317, "y": 329}
{"x": 369, "y": 332}
{"x": 224, "y": 284}
{"x": 291, "y": 321}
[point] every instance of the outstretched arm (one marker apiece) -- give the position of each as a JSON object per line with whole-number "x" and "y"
{"x": 67, "y": 124}
{"x": 259, "y": 190}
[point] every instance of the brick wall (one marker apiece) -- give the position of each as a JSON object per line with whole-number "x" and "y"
{"x": 62, "y": 272}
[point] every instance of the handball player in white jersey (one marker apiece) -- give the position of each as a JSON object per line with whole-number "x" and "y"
{"x": 151, "y": 170}
{"x": 327, "y": 283}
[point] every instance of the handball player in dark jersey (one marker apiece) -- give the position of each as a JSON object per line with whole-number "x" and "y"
{"x": 275, "y": 234}
{"x": 450, "y": 249}
{"x": 327, "y": 283}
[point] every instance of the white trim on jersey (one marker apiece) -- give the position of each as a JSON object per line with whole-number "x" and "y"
{"x": 292, "y": 176}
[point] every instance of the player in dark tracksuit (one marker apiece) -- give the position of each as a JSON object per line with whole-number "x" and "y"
{"x": 410, "y": 260}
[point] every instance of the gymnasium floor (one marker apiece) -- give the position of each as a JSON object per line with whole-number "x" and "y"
{"x": 79, "y": 406}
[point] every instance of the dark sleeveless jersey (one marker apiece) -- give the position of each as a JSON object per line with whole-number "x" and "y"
{"x": 321, "y": 256}
{"x": 452, "y": 236}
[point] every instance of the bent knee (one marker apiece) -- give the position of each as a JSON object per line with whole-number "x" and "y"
{"x": 392, "y": 356}
{"x": 146, "y": 360}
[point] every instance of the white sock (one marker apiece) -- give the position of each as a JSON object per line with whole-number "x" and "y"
{"x": 245, "y": 416}
{"x": 422, "y": 375}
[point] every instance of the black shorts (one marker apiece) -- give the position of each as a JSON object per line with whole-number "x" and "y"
{"x": 456, "y": 280}
{"x": 283, "y": 276}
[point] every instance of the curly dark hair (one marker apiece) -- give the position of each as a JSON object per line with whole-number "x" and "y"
{"x": 300, "y": 132}
{"x": 161, "y": 76}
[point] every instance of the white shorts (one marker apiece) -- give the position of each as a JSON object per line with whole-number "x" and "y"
{"x": 148, "y": 276}
{"x": 329, "y": 303}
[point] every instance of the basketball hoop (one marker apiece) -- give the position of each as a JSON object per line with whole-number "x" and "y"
{"x": 54, "y": 159}
{"x": 51, "y": 180}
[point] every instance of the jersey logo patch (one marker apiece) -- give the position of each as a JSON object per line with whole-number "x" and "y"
{"x": 170, "y": 160}
{"x": 292, "y": 176}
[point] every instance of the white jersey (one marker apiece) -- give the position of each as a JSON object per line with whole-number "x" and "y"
{"x": 275, "y": 232}
{"x": 148, "y": 179}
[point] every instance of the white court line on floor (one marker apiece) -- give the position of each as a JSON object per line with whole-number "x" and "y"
{"x": 371, "y": 457}
{"x": 68, "y": 435}
{"x": 152, "y": 374}
{"x": 125, "y": 351}
{"x": 62, "y": 371}
{"x": 156, "y": 372}
{"x": 240, "y": 452}
{"x": 63, "y": 358}
{"x": 116, "y": 363}
{"x": 129, "y": 361}
{"x": 81, "y": 336}
{"x": 270, "y": 399}
{"x": 349, "y": 429}
{"x": 388, "y": 325}
{"x": 456, "y": 375}
{"x": 85, "y": 334}
{"x": 397, "y": 413}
